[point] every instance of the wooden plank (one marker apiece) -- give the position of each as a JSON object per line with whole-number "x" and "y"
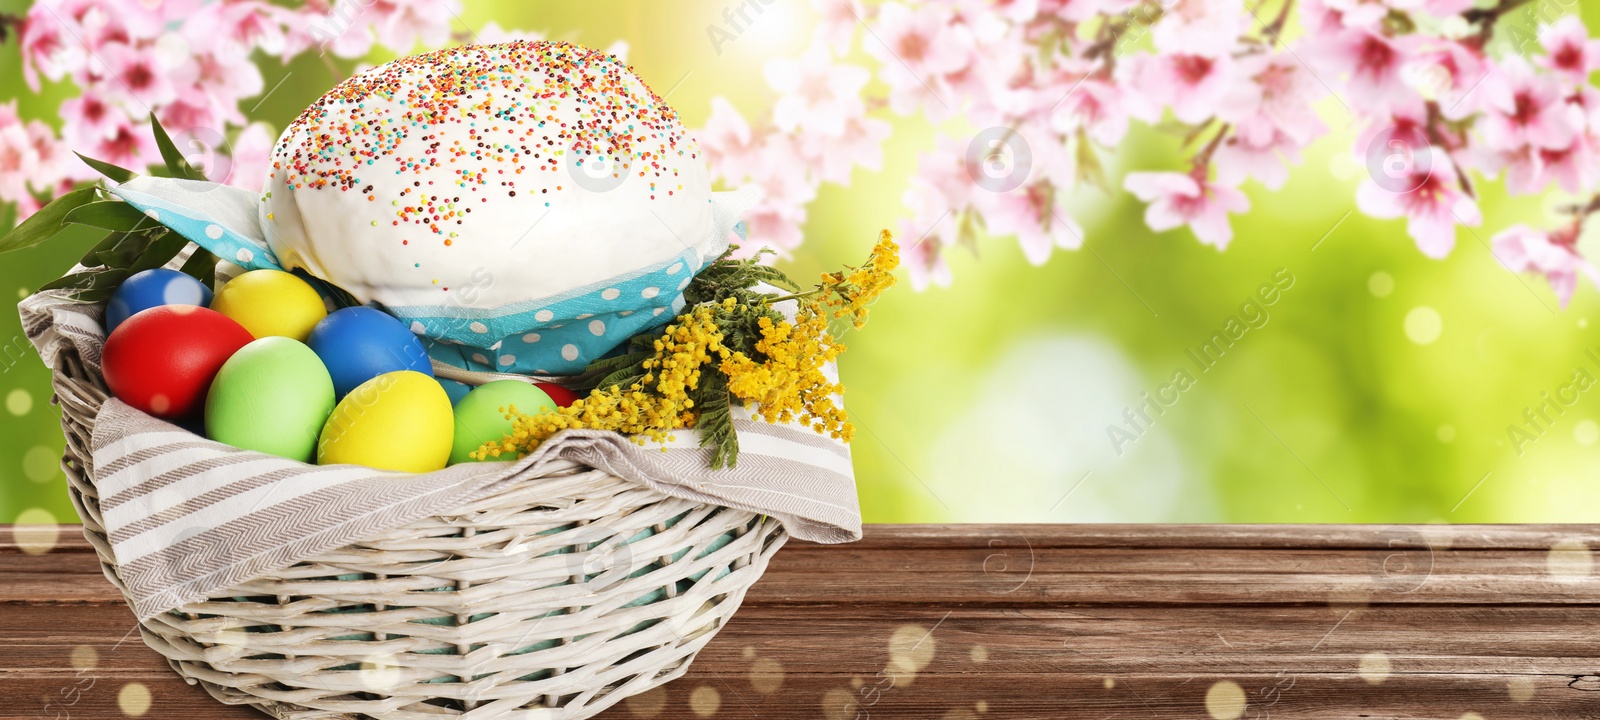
{"x": 969, "y": 622}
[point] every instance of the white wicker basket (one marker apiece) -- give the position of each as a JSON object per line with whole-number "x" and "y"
{"x": 553, "y": 601}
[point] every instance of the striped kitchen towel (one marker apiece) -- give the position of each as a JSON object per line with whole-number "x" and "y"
{"x": 187, "y": 516}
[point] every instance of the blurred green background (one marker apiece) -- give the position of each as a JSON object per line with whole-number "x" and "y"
{"x": 1380, "y": 390}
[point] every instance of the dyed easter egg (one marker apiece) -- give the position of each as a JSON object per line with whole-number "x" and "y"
{"x": 560, "y": 394}
{"x": 396, "y": 421}
{"x": 272, "y": 396}
{"x": 271, "y": 303}
{"x": 360, "y": 343}
{"x": 480, "y": 416}
{"x": 154, "y": 288}
{"x": 162, "y": 360}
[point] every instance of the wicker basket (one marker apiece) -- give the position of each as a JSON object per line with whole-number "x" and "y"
{"x": 553, "y": 601}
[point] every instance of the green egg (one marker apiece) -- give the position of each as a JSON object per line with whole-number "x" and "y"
{"x": 272, "y": 396}
{"x": 479, "y": 417}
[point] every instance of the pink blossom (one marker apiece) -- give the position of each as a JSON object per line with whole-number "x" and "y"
{"x": 1199, "y": 27}
{"x": 251, "y": 158}
{"x": 923, "y": 258}
{"x": 815, "y": 93}
{"x": 779, "y": 171}
{"x": 1554, "y": 254}
{"x": 19, "y": 156}
{"x": 730, "y": 147}
{"x": 1576, "y": 167}
{"x": 1182, "y": 199}
{"x": 1319, "y": 18}
{"x": 194, "y": 110}
{"x": 138, "y": 81}
{"x": 942, "y": 184}
{"x": 1448, "y": 72}
{"x": 1523, "y": 107}
{"x": 1274, "y": 96}
{"x": 1192, "y": 85}
{"x": 1433, "y": 205}
{"x": 918, "y": 48}
{"x": 837, "y": 26}
{"x": 1445, "y": 8}
{"x": 1367, "y": 14}
{"x": 1094, "y": 105}
{"x": 773, "y": 224}
{"x": 1076, "y": 10}
{"x": 1037, "y": 215}
{"x": 1371, "y": 65}
{"x": 242, "y": 23}
{"x": 53, "y": 156}
{"x": 88, "y": 118}
{"x": 49, "y": 45}
{"x": 834, "y": 159}
{"x": 128, "y": 145}
{"x": 1568, "y": 50}
{"x": 401, "y": 23}
{"x": 1256, "y": 150}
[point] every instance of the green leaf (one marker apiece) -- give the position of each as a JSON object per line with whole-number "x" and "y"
{"x": 110, "y": 215}
{"x": 43, "y": 225}
{"x": 716, "y": 419}
{"x": 202, "y": 266}
{"x": 161, "y": 251}
{"x": 125, "y": 251}
{"x": 113, "y": 172}
{"x": 177, "y": 165}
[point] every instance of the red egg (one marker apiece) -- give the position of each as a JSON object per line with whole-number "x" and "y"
{"x": 561, "y": 395}
{"x": 162, "y": 360}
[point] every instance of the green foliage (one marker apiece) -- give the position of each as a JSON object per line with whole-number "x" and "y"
{"x": 716, "y": 419}
{"x": 116, "y": 174}
{"x": 43, "y": 225}
{"x": 177, "y": 165}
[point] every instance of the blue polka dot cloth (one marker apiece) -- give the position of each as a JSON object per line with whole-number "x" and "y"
{"x": 557, "y": 335}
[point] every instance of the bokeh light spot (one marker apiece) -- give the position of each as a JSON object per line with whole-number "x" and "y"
{"x": 84, "y": 657}
{"x": 41, "y": 464}
{"x": 705, "y": 700}
{"x": 1225, "y": 700}
{"x": 1423, "y": 325}
{"x": 1586, "y": 432}
{"x": 1446, "y": 433}
{"x": 911, "y": 648}
{"x": 766, "y": 676}
{"x": 1380, "y": 284}
{"x": 1374, "y": 668}
{"x": 1569, "y": 560}
{"x": 36, "y": 531}
{"x": 134, "y": 699}
{"x": 19, "y": 402}
{"x": 1520, "y": 689}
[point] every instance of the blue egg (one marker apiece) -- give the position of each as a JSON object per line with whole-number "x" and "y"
{"x": 360, "y": 343}
{"x": 153, "y": 288}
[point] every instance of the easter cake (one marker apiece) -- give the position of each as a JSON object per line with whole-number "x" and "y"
{"x": 523, "y": 206}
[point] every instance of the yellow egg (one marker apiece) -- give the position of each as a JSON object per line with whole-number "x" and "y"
{"x": 271, "y": 303}
{"x": 398, "y": 421}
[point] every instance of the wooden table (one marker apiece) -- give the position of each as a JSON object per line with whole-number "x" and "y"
{"x": 1028, "y": 621}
